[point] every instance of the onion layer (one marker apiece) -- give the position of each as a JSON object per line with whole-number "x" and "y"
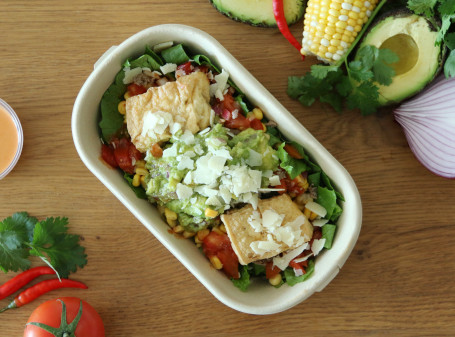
{"x": 428, "y": 121}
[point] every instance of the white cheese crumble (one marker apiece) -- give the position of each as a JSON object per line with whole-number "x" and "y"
{"x": 168, "y": 68}
{"x": 217, "y": 88}
{"x": 317, "y": 246}
{"x": 282, "y": 262}
{"x": 183, "y": 191}
{"x": 156, "y": 123}
{"x": 274, "y": 181}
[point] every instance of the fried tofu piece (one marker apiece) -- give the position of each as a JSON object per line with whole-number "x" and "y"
{"x": 276, "y": 226}
{"x": 183, "y": 104}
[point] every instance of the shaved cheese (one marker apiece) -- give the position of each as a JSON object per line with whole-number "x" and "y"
{"x": 254, "y": 220}
{"x": 274, "y": 180}
{"x": 170, "y": 152}
{"x": 156, "y": 123}
{"x": 272, "y": 220}
{"x": 254, "y": 159}
{"x": 188, "y": 178}
{"x": 261, "y": 247}
{"x": 235, "y": 113}
{"x": 187, "y": 137}
{"x": 130, "y": 74}
{"x": 217, "y": 88}
{"x": 317, "y": 246}
{"x": 185, "y": 163}
{"x": 282, "y": 262}
{"x": 161, "y": 46}
{"x": 320, "y": 222}
{"x": 213, "y": 201}
{"x": 316, "y": 208}
{"x": 168, "y": 68}
{"x": 183, "y": 191}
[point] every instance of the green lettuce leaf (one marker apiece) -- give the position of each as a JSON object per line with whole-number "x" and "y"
{"x": 292, "y": 280}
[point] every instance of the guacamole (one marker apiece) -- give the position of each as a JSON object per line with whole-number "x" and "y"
{"x": 213, "y": 169}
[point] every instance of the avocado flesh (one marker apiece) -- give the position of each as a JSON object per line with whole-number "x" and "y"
{"x": 259, "y": 12}
{"x": 413, "y": 40}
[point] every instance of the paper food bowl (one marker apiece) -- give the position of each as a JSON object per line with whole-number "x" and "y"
{"x": 260, "y": 298}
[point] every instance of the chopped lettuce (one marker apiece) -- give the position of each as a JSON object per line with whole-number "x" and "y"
{"x": 292, "y": 280}
{"x": 328, "y": 233}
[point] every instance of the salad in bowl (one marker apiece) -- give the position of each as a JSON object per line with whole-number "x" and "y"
{"x": 188, "y": 140}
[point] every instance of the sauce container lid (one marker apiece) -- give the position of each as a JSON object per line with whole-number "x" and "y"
{"x": 20, "y": 137}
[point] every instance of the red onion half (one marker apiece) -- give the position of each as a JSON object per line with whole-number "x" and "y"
{"x": 428, "y": 121}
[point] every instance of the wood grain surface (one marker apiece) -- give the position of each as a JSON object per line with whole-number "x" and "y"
{"x": 399, "y": 279}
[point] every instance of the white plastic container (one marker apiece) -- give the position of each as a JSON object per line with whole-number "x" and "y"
{"x": 11, "y": 139}
{"x": 260, "y": 298}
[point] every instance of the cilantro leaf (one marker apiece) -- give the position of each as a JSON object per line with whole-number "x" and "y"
{"x": 449, "y": 40}
{"x": 447, "y": 7}
{"x": 50, "y": 237}
{"x": 321, "y": 71}
{"x": 365, "y": 98}
{"x": 358, "y": 72}
{"x": 449, "y": 65}
{"x": 13, "y": 256}
{"x": 422, "y": 7}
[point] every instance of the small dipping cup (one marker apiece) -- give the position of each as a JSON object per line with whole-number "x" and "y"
{"x": 11, "y": 139}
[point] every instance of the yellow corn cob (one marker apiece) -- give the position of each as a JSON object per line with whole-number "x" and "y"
{"x": 330, "y": 26}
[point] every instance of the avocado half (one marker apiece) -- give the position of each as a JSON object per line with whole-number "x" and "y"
{"x": 259, "y": 12}
{"x": 413, "y": 39}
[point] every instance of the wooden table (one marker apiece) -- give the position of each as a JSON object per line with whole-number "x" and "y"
{"x": 398, "y": 281}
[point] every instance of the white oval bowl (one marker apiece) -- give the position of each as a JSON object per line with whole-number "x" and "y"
{"x": 261, "y": 298}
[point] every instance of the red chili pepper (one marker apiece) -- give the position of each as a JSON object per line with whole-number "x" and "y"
{"x": 278, "y": 12}
{"x": 20, "y": 280}
{"x": 32, "y": 293}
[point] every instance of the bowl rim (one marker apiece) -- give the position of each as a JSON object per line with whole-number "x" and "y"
{"x": 113, "y": 58}
{"x": 20, "y": 138}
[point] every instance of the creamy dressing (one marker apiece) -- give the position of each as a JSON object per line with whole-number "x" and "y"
{"x": 9, "y": 139}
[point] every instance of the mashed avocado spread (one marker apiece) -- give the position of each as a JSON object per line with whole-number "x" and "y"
{"x": 213, "y": 169}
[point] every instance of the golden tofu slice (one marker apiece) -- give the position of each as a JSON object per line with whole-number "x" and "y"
{"x": 276, "y": 226}
{"x": 183, "y": 104}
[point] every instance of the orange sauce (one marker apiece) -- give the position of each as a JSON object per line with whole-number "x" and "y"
{"x": 9, "y": 139}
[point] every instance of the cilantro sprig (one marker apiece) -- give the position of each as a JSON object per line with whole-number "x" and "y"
{"x": 357, "y": 85}
{"x": 22, "y": 236}
{"x": 443, "y": 11}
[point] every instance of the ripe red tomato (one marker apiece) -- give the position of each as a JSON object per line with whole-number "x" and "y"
{"x": 219, "y": 245}
{"x": 49, "y": 313}
{"x": 135, "y": 89}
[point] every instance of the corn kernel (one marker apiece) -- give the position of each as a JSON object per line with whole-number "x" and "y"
{"x": 210, "y": 213}
{"x": 140, "y": 163}
{"x": 127, "y": 95}
{"x": 223, "y": 228}
{"x": 216, "y": 263}
{"x": 188, "y": 234}
{"x": 179, "y": 229}
{"x": 141, "y": 171}
{"x": 307, "y": 213}
{"x": 136, "y": 180}
{"x": 122, "y": 107}
{"x": 313, "y": 216}
{"x": 217, "y": 230}
{"x": 258, "y": 113}
{"x": 170, "y": 215}
{"x": 202, "y": 234}
{"x": 276, "y": 280}
{"x": 143, "y": 183}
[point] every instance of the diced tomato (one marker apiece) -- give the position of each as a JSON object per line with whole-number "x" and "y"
{"x": 241, "y": 122}
{"x": 299, "y": 265}
{"x": 256, "y": 124}
{"x": 107, "y": 153}
{"x": 135, "y": 89}
{"x": 219, "y": 245}
{"x": 186, "y": 68}
{"x": 293, "y": 152}
{"x": 124, "y": 153}
{"x": 292, "y": 186}
{"x": 271, "y": 270}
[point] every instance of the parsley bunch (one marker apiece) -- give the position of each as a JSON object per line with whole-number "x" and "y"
{"x": 357, "y": 85}
{"x": 22, "y": 236}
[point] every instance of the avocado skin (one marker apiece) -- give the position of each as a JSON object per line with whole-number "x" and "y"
{"x": 264, "y": 18}
{"x": 392, "y": 15}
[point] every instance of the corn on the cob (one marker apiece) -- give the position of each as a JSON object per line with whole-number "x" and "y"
{"x": 330, "y": 26}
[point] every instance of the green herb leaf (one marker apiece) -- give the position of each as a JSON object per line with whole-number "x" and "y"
{"x": 328, "y": 233}
{"x": 22, "y": 235}
{"x": 449, "y": 65}
{"x": 365, "y": 98}
{"x": 175, "y": 54}
{"x": 292, "y": 280}
{"x": 244, "y": 281}
{"x": 327, "y": 199}
{"x": 139, "y": 191}
{"x": 320, "y": 71}
{"x": 292, "y": 166}
{"x": 422, "y": 7}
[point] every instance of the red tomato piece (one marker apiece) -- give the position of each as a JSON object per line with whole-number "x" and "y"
{"x": 135, "y": 89}
{"x": 241, "y": 122}
{"x": 271, "y": 271}
{"x": 256, "y": 124}
{"x": 107, "y": 153}
{"x": 186, "y": 68}
{"x": 125, "y": 152}
{"x": 219, "y": 245}
{"x": 49, "y": 313}
{"x": 292, "y": 151}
